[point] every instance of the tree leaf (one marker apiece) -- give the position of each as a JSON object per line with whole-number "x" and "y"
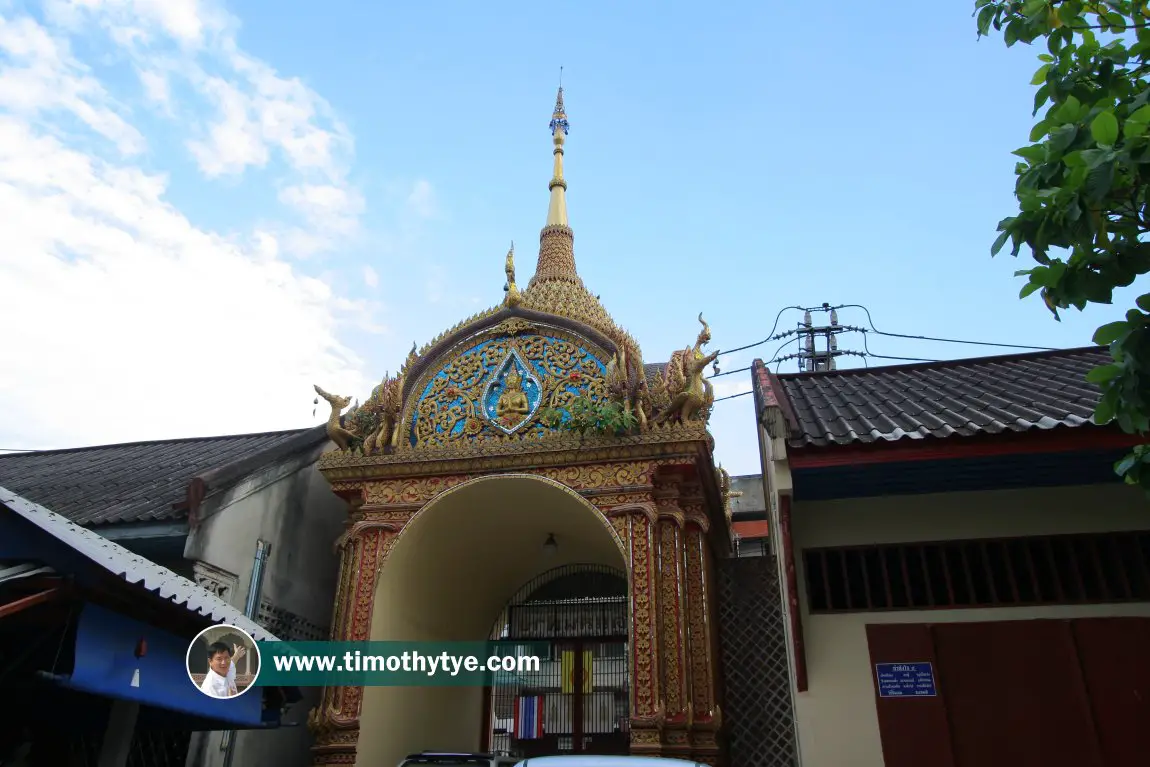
{"x": 1103, "y": 373}
{"x": 1099, "y": 182}
{"x": 1062, "y": 138}
{"x": 1068, "y": 112}
{"x": 998, "y": 243}
{"x": 1110, "y": 332}
{"x": 1105, "y": 128}
{"x": 1040, "y": 75}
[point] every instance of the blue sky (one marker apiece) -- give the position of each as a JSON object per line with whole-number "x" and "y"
{"x": 213, "y": 206}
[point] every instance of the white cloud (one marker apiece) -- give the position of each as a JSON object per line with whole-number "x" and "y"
{"x": 156, "y": 87}
{"x": 134, "y": 322}
{"x": 39, "y": 78}
{"x": 255, "y": 116}
{"x": 370, "y": 277}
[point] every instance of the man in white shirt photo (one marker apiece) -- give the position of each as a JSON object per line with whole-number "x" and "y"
{"x": 220, "y": 681}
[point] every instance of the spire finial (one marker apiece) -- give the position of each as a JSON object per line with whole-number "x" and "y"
{"x": 557, "y": 213}
{"x": 556, "y": 241}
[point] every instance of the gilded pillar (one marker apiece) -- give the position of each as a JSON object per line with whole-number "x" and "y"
{"x": 636, "y": 528}
{"x": 363, "y": 550}
{"x": 672, "y": 624}
{"x": 700, "y": 627}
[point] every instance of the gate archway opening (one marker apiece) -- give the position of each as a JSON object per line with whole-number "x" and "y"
{"x": 451, "y": 573}
{"x": 579, "y": 700}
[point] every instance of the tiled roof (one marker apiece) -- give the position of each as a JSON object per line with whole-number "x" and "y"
{"x": 132, "y": 568}
{"x": 138, "y": 481}
{"x": 986, "y": 395}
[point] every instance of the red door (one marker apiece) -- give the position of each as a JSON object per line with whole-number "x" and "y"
{"x": 1041, "y": 693}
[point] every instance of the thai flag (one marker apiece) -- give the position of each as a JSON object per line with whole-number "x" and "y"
{"x": 529, "y": 717}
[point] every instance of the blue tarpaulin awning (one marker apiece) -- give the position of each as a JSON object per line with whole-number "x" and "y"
{"x": 106, "y": 640}
{"x": 106, "y": 665}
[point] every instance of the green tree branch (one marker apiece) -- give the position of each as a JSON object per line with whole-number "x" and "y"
{"x": 1082, "y": 184}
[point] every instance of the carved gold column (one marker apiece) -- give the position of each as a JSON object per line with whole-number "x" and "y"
{"x": 700, "y": 627}
{"x": 363, "y": 550}
{"x": 636, "y": 528}
{"x": 672, "y": 627}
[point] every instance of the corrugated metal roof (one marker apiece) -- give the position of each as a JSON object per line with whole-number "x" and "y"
{"x": 132, "y": 482}
{"x": 130, "y": 567}
{"x": 15, "y": 572}
{"x": 987, "y": 395}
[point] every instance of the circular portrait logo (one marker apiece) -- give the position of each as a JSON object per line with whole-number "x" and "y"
{"x": 223, "y": 661}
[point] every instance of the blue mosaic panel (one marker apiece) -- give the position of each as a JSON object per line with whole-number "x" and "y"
{"x": 461, "y": 401}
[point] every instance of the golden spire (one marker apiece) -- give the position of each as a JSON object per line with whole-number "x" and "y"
{"x": 556, "y": 288}
{"x": 557, "y": 211}
{"x": 557, "y": 241}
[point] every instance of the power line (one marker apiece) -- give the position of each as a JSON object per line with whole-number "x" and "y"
{"x": 770, "y": 336}
{"x": 732, "y": 396}
{"x": 872, "y": 329}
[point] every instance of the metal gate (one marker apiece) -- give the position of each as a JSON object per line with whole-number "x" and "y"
{"x": 576, "y": 618}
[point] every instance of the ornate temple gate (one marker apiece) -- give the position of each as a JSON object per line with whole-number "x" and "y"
{"x": 657, "y": 510}
{"x": 546, "y": 386}
{"x": 575, "y": 618}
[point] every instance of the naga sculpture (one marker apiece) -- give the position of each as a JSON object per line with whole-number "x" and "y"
{"x": 514, "y": 297}
{"x": 335, "y": 431}
{"x": 626, "y": 383}
{"x": 380, "y": 415}
{"x": 691, "y": 394}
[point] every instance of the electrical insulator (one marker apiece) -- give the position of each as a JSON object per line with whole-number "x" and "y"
{"x": 834, "y": 317}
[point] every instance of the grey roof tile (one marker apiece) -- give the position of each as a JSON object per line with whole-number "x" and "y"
{"x": 1015, "y": 393}
{"x": 131, "y": 482}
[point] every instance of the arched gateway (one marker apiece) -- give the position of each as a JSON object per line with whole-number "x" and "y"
{"x": 526, "y": 475}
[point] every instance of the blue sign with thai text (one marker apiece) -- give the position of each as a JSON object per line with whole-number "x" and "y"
{"x": 905, "y": 680}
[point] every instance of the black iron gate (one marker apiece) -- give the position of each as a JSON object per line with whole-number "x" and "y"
{"x": 575, "y": 618}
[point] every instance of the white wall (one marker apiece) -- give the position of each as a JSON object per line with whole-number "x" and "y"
{"x": 836, "y": 718}
{"x": 292, "y": 507}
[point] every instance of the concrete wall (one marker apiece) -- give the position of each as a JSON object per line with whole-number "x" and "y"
{"x": 290, "y": 506}
{"x": 836, "y": 719}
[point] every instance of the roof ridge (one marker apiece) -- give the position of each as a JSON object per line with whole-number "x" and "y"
{"x": 172, "y": 441}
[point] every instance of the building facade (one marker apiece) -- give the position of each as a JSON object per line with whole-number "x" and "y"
{"x": 217, "y": 511}
{"x": 965, "y": 580}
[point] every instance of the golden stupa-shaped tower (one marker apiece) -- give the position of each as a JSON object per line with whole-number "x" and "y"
{"x": 556, "y": 287}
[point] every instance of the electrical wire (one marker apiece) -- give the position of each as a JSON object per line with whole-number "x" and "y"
{"x": 873, "y": 329}
{"x": 770, "y": 336}
{"x": 869, "y": 353}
